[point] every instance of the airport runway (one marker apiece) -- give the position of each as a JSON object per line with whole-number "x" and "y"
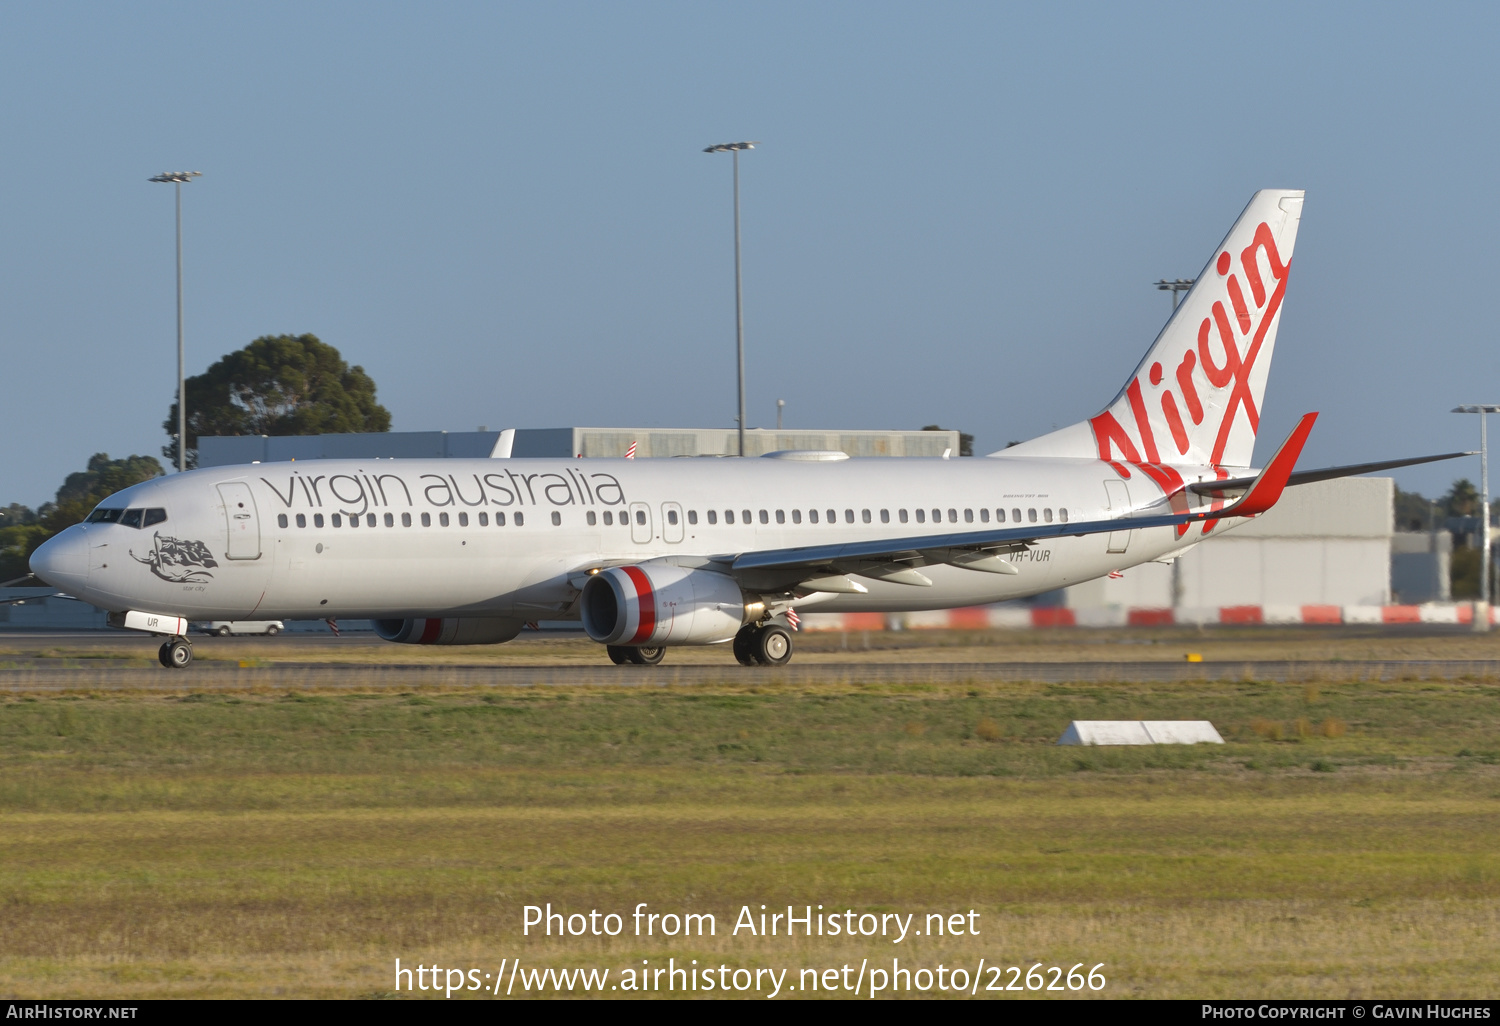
{"x": 208, "y": 676}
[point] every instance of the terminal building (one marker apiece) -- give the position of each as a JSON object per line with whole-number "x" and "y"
{"x": 564, "y": 443}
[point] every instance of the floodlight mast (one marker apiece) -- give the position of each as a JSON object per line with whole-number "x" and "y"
{"x": 1175, "y": 286}
{"x": 739, "y": 295}
{"x": 1482, "y": 608}
{"x": 176, "y": 179}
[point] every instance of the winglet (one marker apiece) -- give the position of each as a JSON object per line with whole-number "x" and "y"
{"x": 1267, "y": 488}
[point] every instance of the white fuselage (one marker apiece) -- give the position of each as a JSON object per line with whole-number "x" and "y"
{"x": 506, "y": 538}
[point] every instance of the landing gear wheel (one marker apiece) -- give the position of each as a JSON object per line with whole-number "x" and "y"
{"x": 773, "y": 646}
{"x": 175, "y": 654}
{"x": 222, "y": 632}
{"x": 646, "y": 656}
{"x": 618, "y": 654}
{"x": 271, "y": 632}
{"x": 744, "y": 645}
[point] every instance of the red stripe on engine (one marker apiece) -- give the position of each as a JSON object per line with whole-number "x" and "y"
{"x": 430, "y": 631}
{"x": 645, "y": 601}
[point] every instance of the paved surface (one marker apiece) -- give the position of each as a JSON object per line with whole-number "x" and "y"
{"x": 208, "y": 676}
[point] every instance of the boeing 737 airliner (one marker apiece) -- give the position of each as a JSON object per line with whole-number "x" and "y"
{"x": 654, "y": 553}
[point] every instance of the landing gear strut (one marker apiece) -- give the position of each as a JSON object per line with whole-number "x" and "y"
{"x": 768, "y": 645}
{"x": 175, "y": 654}
{"x": 622, "y": 654}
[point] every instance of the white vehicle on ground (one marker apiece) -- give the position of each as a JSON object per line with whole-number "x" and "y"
{"x": 224, "y": 628}
{"x": 649, "y": 554}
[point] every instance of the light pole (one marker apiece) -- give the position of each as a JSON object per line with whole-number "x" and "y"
{"x": 1482, "y": 607}
{"x": 1175, "y": 286}
{"x": 176, "y": 178}
{"x": 780, "y": 405}
{"x": 739, "y": 300}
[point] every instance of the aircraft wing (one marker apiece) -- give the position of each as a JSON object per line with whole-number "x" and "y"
{"x": 893, "y": 559}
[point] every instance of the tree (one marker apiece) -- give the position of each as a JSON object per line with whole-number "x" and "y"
{"x": 1462, "y": 499}
{"x": 1413, "y": 511}
{"x": 278, "y": 385}
{"x": 965, "y": 440}
{"x": 79, "y": 494}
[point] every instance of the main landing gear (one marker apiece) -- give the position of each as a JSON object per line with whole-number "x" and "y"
{"x": 769, "y": 645}
{"x": 622, "y": 654}
{"x": 175, "y": 654}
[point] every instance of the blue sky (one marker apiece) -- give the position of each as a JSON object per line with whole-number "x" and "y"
{"x": 502, "y": 212}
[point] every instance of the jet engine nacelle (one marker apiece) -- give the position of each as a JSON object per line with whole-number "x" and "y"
{"x": 653, "y": 604}
{"x": 460, "y": 630}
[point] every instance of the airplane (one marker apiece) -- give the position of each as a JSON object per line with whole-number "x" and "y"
{"x": 652, "y": 554}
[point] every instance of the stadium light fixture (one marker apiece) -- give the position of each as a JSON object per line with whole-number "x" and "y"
{"x": 176, "y": 179}
{"x": 739, "y": 295}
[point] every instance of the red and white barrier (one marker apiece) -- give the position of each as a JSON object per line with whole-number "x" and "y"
{"x": 989, "y": 617}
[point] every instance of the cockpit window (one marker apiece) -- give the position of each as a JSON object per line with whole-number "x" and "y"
{"x": 129, "y": 517}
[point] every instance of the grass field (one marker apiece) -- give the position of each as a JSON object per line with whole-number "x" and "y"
{"x": 1345, "y": 842}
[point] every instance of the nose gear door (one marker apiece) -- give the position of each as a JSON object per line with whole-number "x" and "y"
{"x": 244, "y": 524}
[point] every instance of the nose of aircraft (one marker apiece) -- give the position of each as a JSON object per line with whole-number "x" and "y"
{"x": 63, "y": 561}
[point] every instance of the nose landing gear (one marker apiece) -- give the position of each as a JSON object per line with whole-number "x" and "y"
{"x": 175, "y": 654}
{"x": 769, "y": 645}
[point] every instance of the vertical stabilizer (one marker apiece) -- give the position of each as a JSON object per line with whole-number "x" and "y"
{"x": 1196, "y": 397}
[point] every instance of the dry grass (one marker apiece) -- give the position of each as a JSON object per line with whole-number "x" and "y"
{"x": 264, "y": 843}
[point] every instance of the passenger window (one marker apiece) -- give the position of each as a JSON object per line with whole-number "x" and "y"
{"x": 672, "y": 517}
{"x": 729, "y": 516}
{"x": 745, "y": 516}
{"x": 953, "y": 516}
{"x": 1031, "y": 515}
{"x": 301, "y": 520}
{"x": 557, "y": 518}
{"x": 921, "y": 516}
{"x": 713, "y": 517}
{"x": 1047, "y": 515}
{"x": 864, "y": 515}
{"x": 390, "y": 521}
{"x": 405, "y": 519}
{"x": 317, "y": 520}
{"x": 1062, "y": 515}
{"x": 692, "y": 516}
{"x": 154, "y": 516}
{"x": 370, "y": 519}
{"x": 781, "y": 516}
{"x": 765, "y": 517}
{"x": 901, "y": 515}
{"x": 426, "y": 519}
{"x": 640, "y": 517}
{"x": 885, "y": 516}
{"x": 937, "y": 516}
{"x": 1015, "y": 514}
{"x": 984, "y": 516}
{"x": 132, "y": 518}
{"x": 833, "y": 516}
{"x": 463, "y": 520}
{"x": 500, "y": 519}
{"x": 281, "y": 520}
{"x": 591, "y": 517}
{"x": 796, "y": 516}
{"x": 521, "y": 519}
{"x": 443, "y": 519}
{"x": 336, "y": 520}
{"x": 968, "y": 516}
{"x": 354, "y": 520}
{"x": 812, "y": 516}
{"x": 484, "y": 519}
{"x": 999, "y": 516}
{"x": 609, "y": 519}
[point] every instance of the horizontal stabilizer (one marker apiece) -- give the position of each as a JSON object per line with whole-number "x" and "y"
{"x": 1301, "y": 477}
